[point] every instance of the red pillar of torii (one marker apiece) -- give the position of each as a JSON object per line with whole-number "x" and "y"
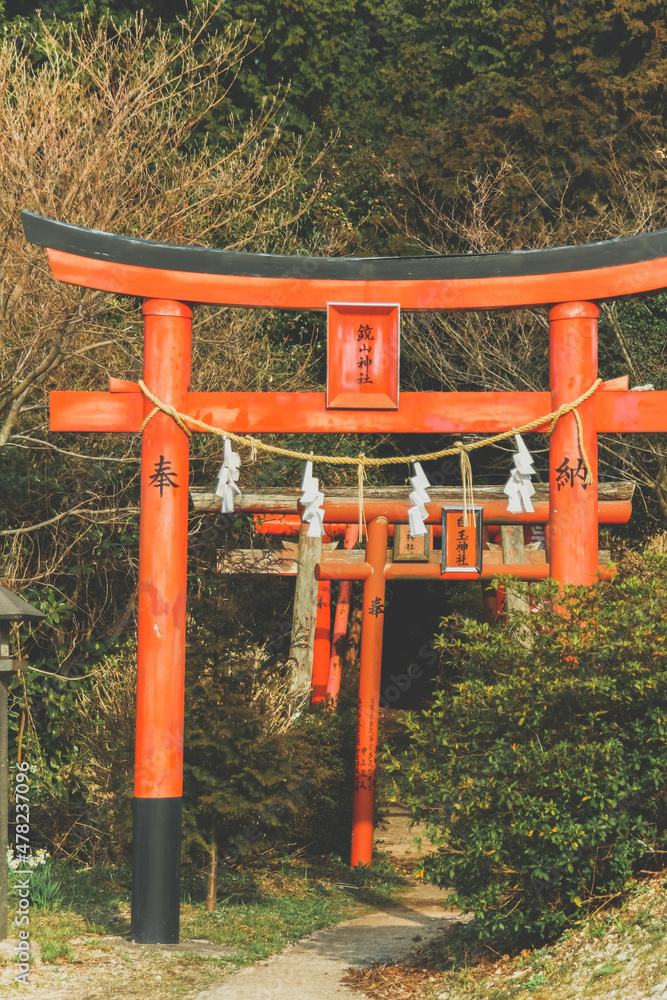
{"x": 158, "y": 776}
{"x": 353, "y": 291}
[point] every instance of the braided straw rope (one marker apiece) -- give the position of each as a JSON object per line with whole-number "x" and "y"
{"x": 187, "y": 424}
{"x": 362, "y": 462}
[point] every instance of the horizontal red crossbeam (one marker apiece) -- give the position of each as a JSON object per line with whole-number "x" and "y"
{"x": 340, "y": 569}
{"x": 409, "y": 571}
{"x": 495, "y": 512}
{"x": 308, "y": 293}
{"x": 419, "y": 412}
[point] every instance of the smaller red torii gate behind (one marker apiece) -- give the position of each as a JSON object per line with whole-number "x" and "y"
{"x": 359, "y": 294}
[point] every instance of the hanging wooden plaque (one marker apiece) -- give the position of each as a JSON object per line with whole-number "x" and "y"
{"x": 362, "y": 356}
{"x": 407, "y": 548}
{"x": 461, "y": 545}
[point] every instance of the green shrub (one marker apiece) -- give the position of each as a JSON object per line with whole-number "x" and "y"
{"x": 540, "y": 767}
{"x": 257, "y": 774}
{"x": 322, "y": 749}
{"x": 251, "y": 787}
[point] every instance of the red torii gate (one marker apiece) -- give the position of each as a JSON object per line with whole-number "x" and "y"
{"x": 567, "y": 279}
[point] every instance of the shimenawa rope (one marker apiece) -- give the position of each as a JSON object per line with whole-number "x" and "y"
{"x": 187, "y": 424}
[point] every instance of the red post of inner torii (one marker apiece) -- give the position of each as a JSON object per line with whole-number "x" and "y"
{"x": 369, "y": 695}
{"x": 352, "y": 290}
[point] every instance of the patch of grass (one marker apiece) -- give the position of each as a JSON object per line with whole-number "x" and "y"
{"x": 538, "y": 957}
{"x": 295, "y": 876}
{"x": 54, "y": 932}
{"x": 45, "y": 888}
{"x": 608, "y": 969}
{"x": 535, "y": 982}
{"x": 95, "y": 900}
{"x": 259, "y": 928}
{"x": 642, "y": 918}
{"x": 615, "y": 923}
{"x": 52, "y": 950}
{"x": 596, "y": 929}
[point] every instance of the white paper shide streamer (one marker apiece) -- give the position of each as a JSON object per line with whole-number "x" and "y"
{"x": 418, "y": 498}
{"x": 519, "y": 487}
{"x": 312, "y": 500}
{"x": 228, "y": 478}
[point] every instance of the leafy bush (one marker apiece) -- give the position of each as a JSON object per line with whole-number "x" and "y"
{"x": 540, "y": 767}
{"x": 256, "y": 773}
{"x": 248, "y": 787}
{"x": 322, "y": 748}
{"x": 78, "y": 739}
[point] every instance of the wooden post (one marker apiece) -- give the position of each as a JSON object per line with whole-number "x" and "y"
{"x": 321, "y": 643}
{"x": 340, "y": 624}
{"x": 305, "y": 616}
{"x": 573, "y": 509}
{"x": 369, "y": 694}
{"x": 4, "y": 778}
{"x": 163, "y": 541}
{"x": 353, "y": 634}
{"x": 514, "y": 554}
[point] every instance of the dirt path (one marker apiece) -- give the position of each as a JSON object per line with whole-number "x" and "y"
{"x": 312, "y": 968}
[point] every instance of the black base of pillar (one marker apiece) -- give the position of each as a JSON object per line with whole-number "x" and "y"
{"x": 156, "y": 870}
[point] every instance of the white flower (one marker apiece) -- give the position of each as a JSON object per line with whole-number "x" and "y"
{"x": 29, "y": 861}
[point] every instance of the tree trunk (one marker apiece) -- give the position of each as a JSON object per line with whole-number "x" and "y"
{"x": 212, "y": 893}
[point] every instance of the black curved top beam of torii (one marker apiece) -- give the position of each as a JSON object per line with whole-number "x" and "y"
{"x": 614, "y": 268}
